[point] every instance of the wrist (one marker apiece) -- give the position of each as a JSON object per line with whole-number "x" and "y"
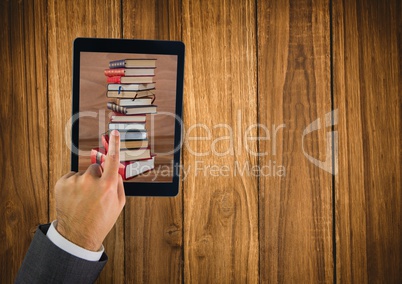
{"x": 77, "y": 237}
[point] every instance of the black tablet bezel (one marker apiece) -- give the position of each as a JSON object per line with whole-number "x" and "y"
{"x": 137, "y": 47}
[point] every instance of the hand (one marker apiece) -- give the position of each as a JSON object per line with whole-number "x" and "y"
{"x": 88, "y": 204}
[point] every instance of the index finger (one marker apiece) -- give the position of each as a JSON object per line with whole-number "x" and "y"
{"x": 112, "y": 162}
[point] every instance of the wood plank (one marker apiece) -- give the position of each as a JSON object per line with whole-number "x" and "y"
{"x": 295, "y": 203}
{"x": 220, "y": 200}
{"x": 92, "y": 18}
{"x": 23, "y": 128}
{"x": 367, "y": 54}
{"x": 153, "y": 226}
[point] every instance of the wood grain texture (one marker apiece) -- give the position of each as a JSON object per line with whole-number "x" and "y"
{"x": 153, "y": 226}
{"x": 220, "y": 202}
{"x": 92, "y": 18}
{"x": 294, "y": 90}
{"x": 245, "y": 64}
{"x": 23, "y": 128}
{"x": 367, "y": 90}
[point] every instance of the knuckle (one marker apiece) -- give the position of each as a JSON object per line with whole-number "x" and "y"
{"x": 86, "y": 178}
{"x": 113, "y": 157}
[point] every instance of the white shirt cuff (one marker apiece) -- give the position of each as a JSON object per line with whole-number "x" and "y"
{"x": 55, "y": 237}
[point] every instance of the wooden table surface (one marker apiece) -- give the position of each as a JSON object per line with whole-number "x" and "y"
{"x": 312, "y": 86}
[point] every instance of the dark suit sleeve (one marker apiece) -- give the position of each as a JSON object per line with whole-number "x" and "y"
{"x": 47, "y": 263}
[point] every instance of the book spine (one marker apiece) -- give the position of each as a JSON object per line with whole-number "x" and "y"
{"x": 116, "y": 108}
{"x": 115, "y": 72}
{"x": 114, "y": 79}
{"x": 117, "y": 64}
{"x": 95, "y": 159}
{"x": 105, "y": 142}
{"x": 127, "y": 126}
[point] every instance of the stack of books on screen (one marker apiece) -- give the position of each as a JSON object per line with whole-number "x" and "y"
{"x": 131, "y": 94}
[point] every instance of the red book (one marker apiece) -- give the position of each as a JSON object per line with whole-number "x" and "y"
{"x": 130, "y": 79}
{"x": 98, "y": 156}
{"x": 130, "y": 72}
{"x": 127, "y": 170}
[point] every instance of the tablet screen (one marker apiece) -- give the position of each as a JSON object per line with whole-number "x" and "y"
{"x": 136, "y": 94}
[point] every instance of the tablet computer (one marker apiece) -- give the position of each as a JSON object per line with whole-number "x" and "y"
{"x": 136, "y": 87}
